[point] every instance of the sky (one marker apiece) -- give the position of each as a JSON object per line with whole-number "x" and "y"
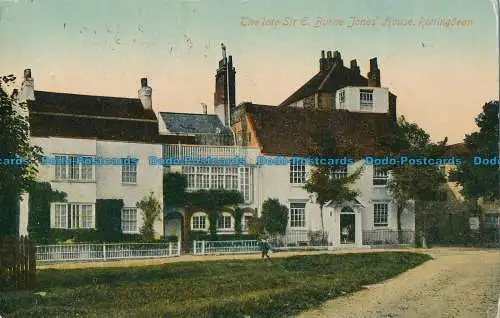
{"x": 442, "y": 75}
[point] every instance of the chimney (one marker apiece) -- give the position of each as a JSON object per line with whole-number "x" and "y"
{"x": 145, "y": 94}
{"x": 337, "y": 59}
{"x": 374, "y": 74}
{"x": 355, "y": 67}
{"x": 204, "y": 106}
{"x": 27, "y": 87}
{"x": 322, "y": 62}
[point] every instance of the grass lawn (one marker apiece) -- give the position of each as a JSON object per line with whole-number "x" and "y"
{"x": 235, "y": 288}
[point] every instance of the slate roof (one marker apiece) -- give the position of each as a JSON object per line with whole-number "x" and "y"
{"x": 291, "y": 131}
{"x": 327, "y": 81}
{"x": 193, "y": 123}
{"x": 96, "y": 117}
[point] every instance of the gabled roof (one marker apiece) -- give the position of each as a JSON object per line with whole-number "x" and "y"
{"x": 96, "y": 117}
{"x": 75, "y": 104}
{"x": 327, "y": 81}
{"x": 185, "y": 123}
{"x": 291, "y": 131}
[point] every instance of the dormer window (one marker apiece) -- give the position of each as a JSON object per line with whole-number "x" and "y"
{"x": 366, "y": 99}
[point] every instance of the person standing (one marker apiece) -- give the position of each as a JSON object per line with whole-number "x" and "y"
{"x": 265, "y": 247}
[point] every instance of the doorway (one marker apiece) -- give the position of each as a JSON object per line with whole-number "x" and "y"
{"x": 347, "y": 226}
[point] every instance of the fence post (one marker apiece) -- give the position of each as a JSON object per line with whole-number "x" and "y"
{"x": 169, "y": 248}
{"x": 203, "y": 247}
{"x": 104, "y": 251}
{"x": 194, "y": 247}
{"x": 179, "y": 247}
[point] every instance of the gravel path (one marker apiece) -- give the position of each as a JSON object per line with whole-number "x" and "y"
{"x": 457, "y": 283}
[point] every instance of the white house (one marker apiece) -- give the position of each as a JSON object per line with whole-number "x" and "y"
{"x": 95, "y": 147}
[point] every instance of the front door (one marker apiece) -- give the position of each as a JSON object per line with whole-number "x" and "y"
{"x": 347, "y": 228}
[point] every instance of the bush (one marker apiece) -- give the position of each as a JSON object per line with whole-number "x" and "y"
{"x": 274, "y": 216}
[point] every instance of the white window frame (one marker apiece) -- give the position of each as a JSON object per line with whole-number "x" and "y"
{"x": 74, "y": 171}
{"x": 129, "y": 173}
{"x": 222, "y": 220}
{"x": 220, "y": 177}
{"x": 380, "y": 214}
{"x": 341, "y": 98}
{"x": 380, "y": 177}
{"x": 298, "y": 173}
{"x": 366, "y": 99}
{"x": 199, "y": 216}
{"x": 70, "y": 215}
{"x": 340, "y": 172}
{"x": 129, "y": 218}
{"x": 297, "y": 218}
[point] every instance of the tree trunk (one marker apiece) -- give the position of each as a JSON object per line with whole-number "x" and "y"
{"x": 399, "y": 213}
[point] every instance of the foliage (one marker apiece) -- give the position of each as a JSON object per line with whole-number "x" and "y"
{"x": 481, "y": 180}
{"x": 322, "y": 181}
{"x": 238, "y": 215}
{"x": 213, "y": 201}
{"x": 41, "y": 196}
{"x": 274, "y": 216}
{"x": 174, "y": 189}
{"x": 256, "y": 226}
{"x": 252, "y": 288}
{"x": 109, "y": 219}
{"x": 411, "y": 182}
{"x": 14, "y": 143}
{"x": 151, "y": 212}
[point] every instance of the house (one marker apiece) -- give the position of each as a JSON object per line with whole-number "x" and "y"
{"x": 358, "y": 113}
{"x": 95, "y": 147}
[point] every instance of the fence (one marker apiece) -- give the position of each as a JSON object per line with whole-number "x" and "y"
{"x": 106, "y": 251}
{"x": 297, "y": 239}
{"x": 225, "y": 247}
{"x": 388, "y": 237}
{"x": 17, "y": 263}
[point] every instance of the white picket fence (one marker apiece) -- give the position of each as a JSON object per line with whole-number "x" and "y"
{"x": 106, "y": 251}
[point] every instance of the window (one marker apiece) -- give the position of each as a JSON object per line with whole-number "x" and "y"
{"x": 224, "y": 222}
{"x": 366, "y": 99}
{"x": 297, "y": 173}
{"x": 492, "y": 220}
{"x": 129, "y": 220}
{"x": 244, "y": 222}
{"x": 74, "y": 168}
{"x": 229, "y": 178}
{"x": 380, "y": 176}
{"x": 380, "y": 214}
{"x": 73, "y": 216}
{"x": 340, "y": 172}
{"x": 199, "y": 222}
{"x": 129, "y": 173}
{"x": 297, "y": 214}
{"x": 341, "y": 98}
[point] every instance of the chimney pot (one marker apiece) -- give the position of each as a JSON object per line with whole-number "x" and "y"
{"x": 144, "y": 82}
{"x": 373, "y": 64}
{"x": 323, "y": 54}
{"x": 145, "y": 94}
{"x": 27, "y": 73}
{"x": 329, "y": 54}
{"x": 354, "y": 64}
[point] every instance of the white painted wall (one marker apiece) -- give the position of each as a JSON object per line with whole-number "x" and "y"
{"x": 107, "y": 183}
{"x": 352, "y": 100}
{"x": 221, "y": 113}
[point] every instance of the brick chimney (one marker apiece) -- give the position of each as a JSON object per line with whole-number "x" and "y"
{"x": 374, "y": 74}
{"x": 323, "y": 62}
{"x": 27, "y": 87}
{"x": 355, "y": 67}
{"x": 337, "y": 59}
{"x": 224, "y": 108}
{"x": 145, "y": 94}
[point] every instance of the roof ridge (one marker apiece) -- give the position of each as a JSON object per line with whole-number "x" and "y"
{"x": 87, "y": 95}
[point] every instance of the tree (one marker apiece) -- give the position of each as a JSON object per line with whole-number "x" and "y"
{"x": 274, "y": 216}
{"x": 15, "y": 178}
{"x": 481, "y": 180}
{"x": 174, "y": 189}
{"x": 323, "y": 180}
{"x": 410, "y": 182}
{"x": 256, "y": 226}
{"x": 151, "y": 211}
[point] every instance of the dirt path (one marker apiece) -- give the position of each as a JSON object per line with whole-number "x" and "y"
{"x": 457, "y": 283}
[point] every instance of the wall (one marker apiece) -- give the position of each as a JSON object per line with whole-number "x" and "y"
{"x": 149, "y": 178}
{"x": 352, "y": 101}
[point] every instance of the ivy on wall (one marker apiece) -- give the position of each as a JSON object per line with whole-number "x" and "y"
{"x": 41, "y": 196}
{"x": 109, "y": 219}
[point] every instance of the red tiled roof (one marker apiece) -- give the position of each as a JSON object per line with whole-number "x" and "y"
{"x": 327, "y": 81}
{"x": 291, "y": 131}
